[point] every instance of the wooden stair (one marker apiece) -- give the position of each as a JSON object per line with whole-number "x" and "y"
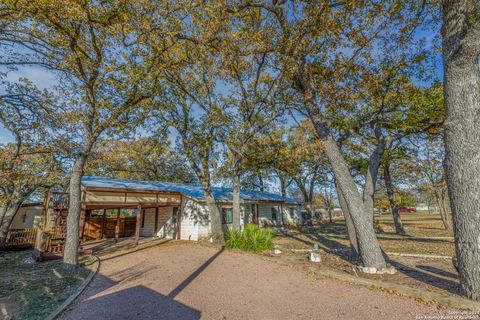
{"x": 55, "y": 238}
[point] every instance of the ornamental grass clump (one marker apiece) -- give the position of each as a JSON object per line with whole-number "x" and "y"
{"x": 252, "y": 238}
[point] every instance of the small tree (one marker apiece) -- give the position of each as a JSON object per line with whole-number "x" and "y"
{"x": 30, "y": 163}
{"x": 96, "y": 49}
{"x": 190, "y": 106}
{"x": 253, "y": 104}
{"x": 144, "y": 159}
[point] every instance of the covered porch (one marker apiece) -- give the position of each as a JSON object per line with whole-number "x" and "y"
{"x": 116, "y": 213}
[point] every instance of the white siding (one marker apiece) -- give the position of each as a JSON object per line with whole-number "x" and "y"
{"x": 166, "y": 228}
{"x": 148, "y": 224}
{"x": 26, "y": 216}
{"x": 292, "y": 215}
{"x": 195, "y": 221}
{"x": 265, "y": 214}
{"x": 165, "y": 225}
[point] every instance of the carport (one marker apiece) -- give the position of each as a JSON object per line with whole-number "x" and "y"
{"x": 120, "y": 199}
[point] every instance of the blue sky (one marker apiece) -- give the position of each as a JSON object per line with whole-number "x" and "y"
{"x": 44, "y": 79}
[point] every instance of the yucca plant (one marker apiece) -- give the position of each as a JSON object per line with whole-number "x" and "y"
{"x": 233, "y": 238}
{"x": 252, "y": 238}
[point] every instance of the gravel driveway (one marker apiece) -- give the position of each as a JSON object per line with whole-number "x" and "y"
{"x": 190, "y": 281}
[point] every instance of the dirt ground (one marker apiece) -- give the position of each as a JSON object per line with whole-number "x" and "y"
{"x": 191, "y": 281}
{"x": 33, "y": 290}
{"x": 437, "y": 275}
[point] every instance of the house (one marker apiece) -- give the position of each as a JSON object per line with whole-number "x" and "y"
{"x": 114, "y": 208}
{"x": 320, "y": 214}
{"x": 22, "y": 230}
{"x": 28, "y": 215}
{"x": 173, "y": 210}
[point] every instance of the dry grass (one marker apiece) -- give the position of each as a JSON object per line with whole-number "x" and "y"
{"x": 417, "y": 224}
{"x": 432, "y": 274}
{"x": 333, "y": 235}
{"x": 32, "y": 291}
{"x": 403, "y": 245}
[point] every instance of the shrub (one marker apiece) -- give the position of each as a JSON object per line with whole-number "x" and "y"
{"x": 252, "y": 238}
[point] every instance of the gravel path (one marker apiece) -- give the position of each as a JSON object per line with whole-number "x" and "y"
{"x": 190, "y": 281}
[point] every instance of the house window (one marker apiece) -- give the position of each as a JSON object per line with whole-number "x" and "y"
{"x": 274, "y": 214}
{"x": 227, "y": 215}
{"x": 174, "y": 214}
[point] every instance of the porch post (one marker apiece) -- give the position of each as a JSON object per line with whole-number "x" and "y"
{"x": 103, "y": 224}
{"x": 255, "y": 212}
{"x": 155, "y": 228}
{"x": 138, "y": 223}
{"x": 281, "y": 215}
{"x": 179, "y": 219}
{"x": 117, "y": 226}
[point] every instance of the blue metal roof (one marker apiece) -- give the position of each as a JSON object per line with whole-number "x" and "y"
{"x": 192, "y": 191}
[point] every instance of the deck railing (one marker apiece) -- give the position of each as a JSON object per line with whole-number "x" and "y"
{"x": 53, "y": 240}
{"x": 20, "y": 237}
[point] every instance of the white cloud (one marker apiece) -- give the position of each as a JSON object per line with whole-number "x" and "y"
{"x": 42, "y": 78}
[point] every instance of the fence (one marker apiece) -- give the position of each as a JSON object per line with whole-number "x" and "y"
{"x": 21, "y": 237}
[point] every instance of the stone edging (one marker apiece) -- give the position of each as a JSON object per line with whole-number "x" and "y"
{"x": 95, "y": 265}
{"x": 398, "y": 254}
{"x": 387, "y": 237}
{"x": 415, "y": 255}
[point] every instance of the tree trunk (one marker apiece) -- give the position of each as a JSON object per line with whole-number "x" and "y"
{"x": 352, "y": 235}
{"x": 371, "y": 178}
{"x": 442, "y": 209}
{"x": 215, "y": 216}
{"x": 446, "y": 215}
{"x": 283, "y": 185}
{"x": 3, "y": 211}
{"x": 70, "y": 254}
{"x": 7, "y": 221}
{"x": 236, "y": 200}
{"x": 307, "y": 200}
{"x": 369, "y": 247}
{"x": 461, "y": 55}
{"x": 262, "y": 184}
{"x": 399, "y": 229}
{"x": 328, "y": 202}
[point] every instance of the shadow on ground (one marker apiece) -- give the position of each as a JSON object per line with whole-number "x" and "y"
{"x": 426, "y": 274}
{"x": 430, "y": 277}
{"x": 138, "y": 302}
{"x": 324, "y": 243}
